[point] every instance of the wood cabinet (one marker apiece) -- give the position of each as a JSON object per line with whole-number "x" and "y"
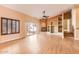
{"x": 67, "y": 15}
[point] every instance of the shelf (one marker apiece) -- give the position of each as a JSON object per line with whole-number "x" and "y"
{"x": 59, "y": 24}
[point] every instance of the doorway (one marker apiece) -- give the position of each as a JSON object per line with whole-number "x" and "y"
{"x": 31, "y": 28}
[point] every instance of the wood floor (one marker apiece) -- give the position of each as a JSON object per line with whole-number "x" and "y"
{"x": 42, "y": 43}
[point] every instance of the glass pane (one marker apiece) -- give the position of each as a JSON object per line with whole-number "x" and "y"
{"x": 9, "y": 26}
{"x": 13, "y": 26}
{"x": 4, "y": 26}
{"x": 17, "y": 26}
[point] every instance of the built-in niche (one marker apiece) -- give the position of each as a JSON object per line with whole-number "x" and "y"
{"x": 9, "y": 26}
{"x": 43, "y": 24}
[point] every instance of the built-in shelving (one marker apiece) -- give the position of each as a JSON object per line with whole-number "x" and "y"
{"x": 60, "y": 23}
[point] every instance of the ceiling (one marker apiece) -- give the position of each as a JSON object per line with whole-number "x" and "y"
{"x": 35, "y": 10}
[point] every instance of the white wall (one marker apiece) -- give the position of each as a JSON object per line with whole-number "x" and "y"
{"x": 74, "y": 21}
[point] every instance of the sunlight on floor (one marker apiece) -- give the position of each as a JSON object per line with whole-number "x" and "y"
{"x": 33, "y": 44}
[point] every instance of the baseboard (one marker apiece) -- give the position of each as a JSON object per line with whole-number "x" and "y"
{"x": 12, "y": 40}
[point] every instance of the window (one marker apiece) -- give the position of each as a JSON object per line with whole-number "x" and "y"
{"x": 9, "y": 26}
{"x": 4, "y": 26}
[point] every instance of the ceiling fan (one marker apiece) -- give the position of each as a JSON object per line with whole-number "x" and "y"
{"x": 44, "y": 16}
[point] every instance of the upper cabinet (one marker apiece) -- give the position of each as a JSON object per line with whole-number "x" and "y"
{"x": 67, "y": 15}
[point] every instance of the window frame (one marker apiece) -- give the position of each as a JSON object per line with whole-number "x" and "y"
{"x": 11, "y": 28}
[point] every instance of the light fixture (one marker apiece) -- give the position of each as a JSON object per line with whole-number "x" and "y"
{"x": 44, "y": 16}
